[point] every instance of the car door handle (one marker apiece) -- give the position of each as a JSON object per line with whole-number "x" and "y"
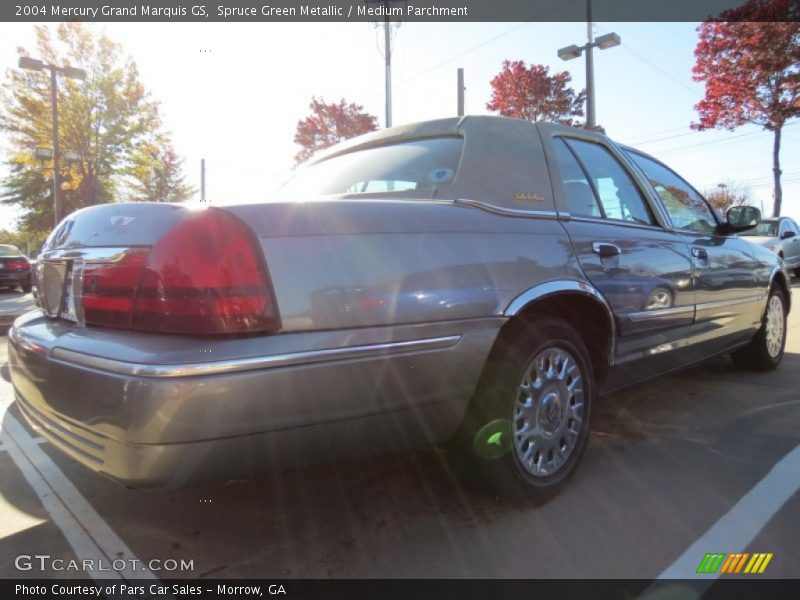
{"x": 606, "y": 250}
{"x": 700, "y": 253}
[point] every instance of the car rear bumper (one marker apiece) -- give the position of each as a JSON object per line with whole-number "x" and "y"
{"x": 169, "y": 423}
{"x": 15, "y": 277}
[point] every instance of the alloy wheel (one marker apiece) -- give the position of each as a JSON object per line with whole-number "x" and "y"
{"x": 548, "y": 412}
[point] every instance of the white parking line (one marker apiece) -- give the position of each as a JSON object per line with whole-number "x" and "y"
{"x": 739, "y": 527}
{"x": 89, "y": 535}
{"x": 36, "y": 440}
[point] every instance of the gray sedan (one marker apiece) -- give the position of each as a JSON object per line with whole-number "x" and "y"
{"x": 480, "y": 280}
{"x": 781, "y": 236}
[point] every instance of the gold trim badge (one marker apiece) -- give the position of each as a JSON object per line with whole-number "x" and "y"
{"x": 522, "y": 197}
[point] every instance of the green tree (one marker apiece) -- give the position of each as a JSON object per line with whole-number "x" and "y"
{"x": 103, "y": 119}
{"x": 156, "y": 173}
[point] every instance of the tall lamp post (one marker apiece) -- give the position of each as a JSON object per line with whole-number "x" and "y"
{"x": 608, "y": 40}
{"x": 73, "y": 73}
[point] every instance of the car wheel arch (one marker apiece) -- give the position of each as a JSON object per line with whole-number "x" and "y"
{"x": 580, "y": 305}
{"x": 778, "y": 277}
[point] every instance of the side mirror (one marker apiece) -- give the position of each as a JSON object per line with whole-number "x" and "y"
{"x": 741, "y": 218}
{"x": 787, "y": 234}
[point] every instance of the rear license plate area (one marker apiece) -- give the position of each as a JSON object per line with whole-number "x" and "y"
{"x": 52, "y": 292}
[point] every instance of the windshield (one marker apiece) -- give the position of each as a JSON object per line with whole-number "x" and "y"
{"x": 417, "y": 165}
{"x": 8, "y": 250}
{"x": 763, "y": 229}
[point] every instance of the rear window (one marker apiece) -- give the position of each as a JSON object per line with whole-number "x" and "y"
{"x": 7, "y": 250}
{"x": 416, "y": 165}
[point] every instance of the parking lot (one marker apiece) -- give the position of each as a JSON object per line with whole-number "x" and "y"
{"x": 699, "y": 461}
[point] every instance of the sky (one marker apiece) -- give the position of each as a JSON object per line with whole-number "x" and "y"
{"x": 232, "y": 93}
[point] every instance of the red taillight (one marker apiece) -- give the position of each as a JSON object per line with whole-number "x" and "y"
{"x": 204, "y": 276}
{"x": 109, "y": 289}
{"x": 17, "y": 264}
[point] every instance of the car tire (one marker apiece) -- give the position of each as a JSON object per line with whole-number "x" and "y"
{"x": 527, "y": 425}
{"x": 27, "y": 287}
{"x": 765, "y": 350}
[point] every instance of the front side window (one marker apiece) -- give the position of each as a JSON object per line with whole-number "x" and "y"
{"x": 618, "y": 194}
{"x": 685, "y": 207}
{"x": 416, "y": 165}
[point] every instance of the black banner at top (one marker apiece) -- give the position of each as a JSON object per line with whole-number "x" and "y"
{"x": 380, "y": 10}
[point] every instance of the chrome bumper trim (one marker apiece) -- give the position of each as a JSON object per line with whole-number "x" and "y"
{"x": 249, "y": 364}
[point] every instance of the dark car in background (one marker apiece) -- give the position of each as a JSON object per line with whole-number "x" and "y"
{"x": 15, "y": 268}
{"x": 480, "y": 280}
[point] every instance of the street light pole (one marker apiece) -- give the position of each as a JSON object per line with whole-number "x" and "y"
{"x": 590, "y": 113}
{"x": 608, "y": 40}
{"x": 37, "y": 65}
{"x": 56, "y": 163}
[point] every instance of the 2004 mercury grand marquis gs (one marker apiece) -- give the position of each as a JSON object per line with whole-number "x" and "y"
{"x": 481, "y": 279}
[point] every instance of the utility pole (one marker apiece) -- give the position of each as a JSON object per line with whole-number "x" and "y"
{"x": 460, "y": 85}
{"x": 387, "y": 49}
{"x": 202, "y": 180}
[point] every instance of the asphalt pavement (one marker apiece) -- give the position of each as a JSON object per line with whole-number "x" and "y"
{"x": 674, "y": 466}
{"x": 12, "y": 304}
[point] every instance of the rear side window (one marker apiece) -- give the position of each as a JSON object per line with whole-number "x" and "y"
{"x": 415, "y": 165}
{"x": 686, "y": 208}
{"x": 619, "y": 195}
{"x": 578, "y": 193}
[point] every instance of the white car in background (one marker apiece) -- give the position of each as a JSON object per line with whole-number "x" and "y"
{"x": 782, "y": 236}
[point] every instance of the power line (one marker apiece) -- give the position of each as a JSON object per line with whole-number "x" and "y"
{"x": 627, "y": 47}
{"x": 646, "y": 135}
{"x": 486, "y": 42}
{"x": 452, "y": 58}
{"x": 734, "y": 139}
{"x": 661, "y": 139}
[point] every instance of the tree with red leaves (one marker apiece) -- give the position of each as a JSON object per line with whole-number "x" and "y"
{"x": 751, "y": 70}
{"x": 329, "y": 124}
{"x": 532, "y": 94}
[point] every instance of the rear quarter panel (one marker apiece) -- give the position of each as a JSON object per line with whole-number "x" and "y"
{"x": 355, "y": 263}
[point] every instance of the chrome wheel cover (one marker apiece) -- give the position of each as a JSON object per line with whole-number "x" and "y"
{"x": 775, "y": 326}
{"x": 548, "y": 412}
